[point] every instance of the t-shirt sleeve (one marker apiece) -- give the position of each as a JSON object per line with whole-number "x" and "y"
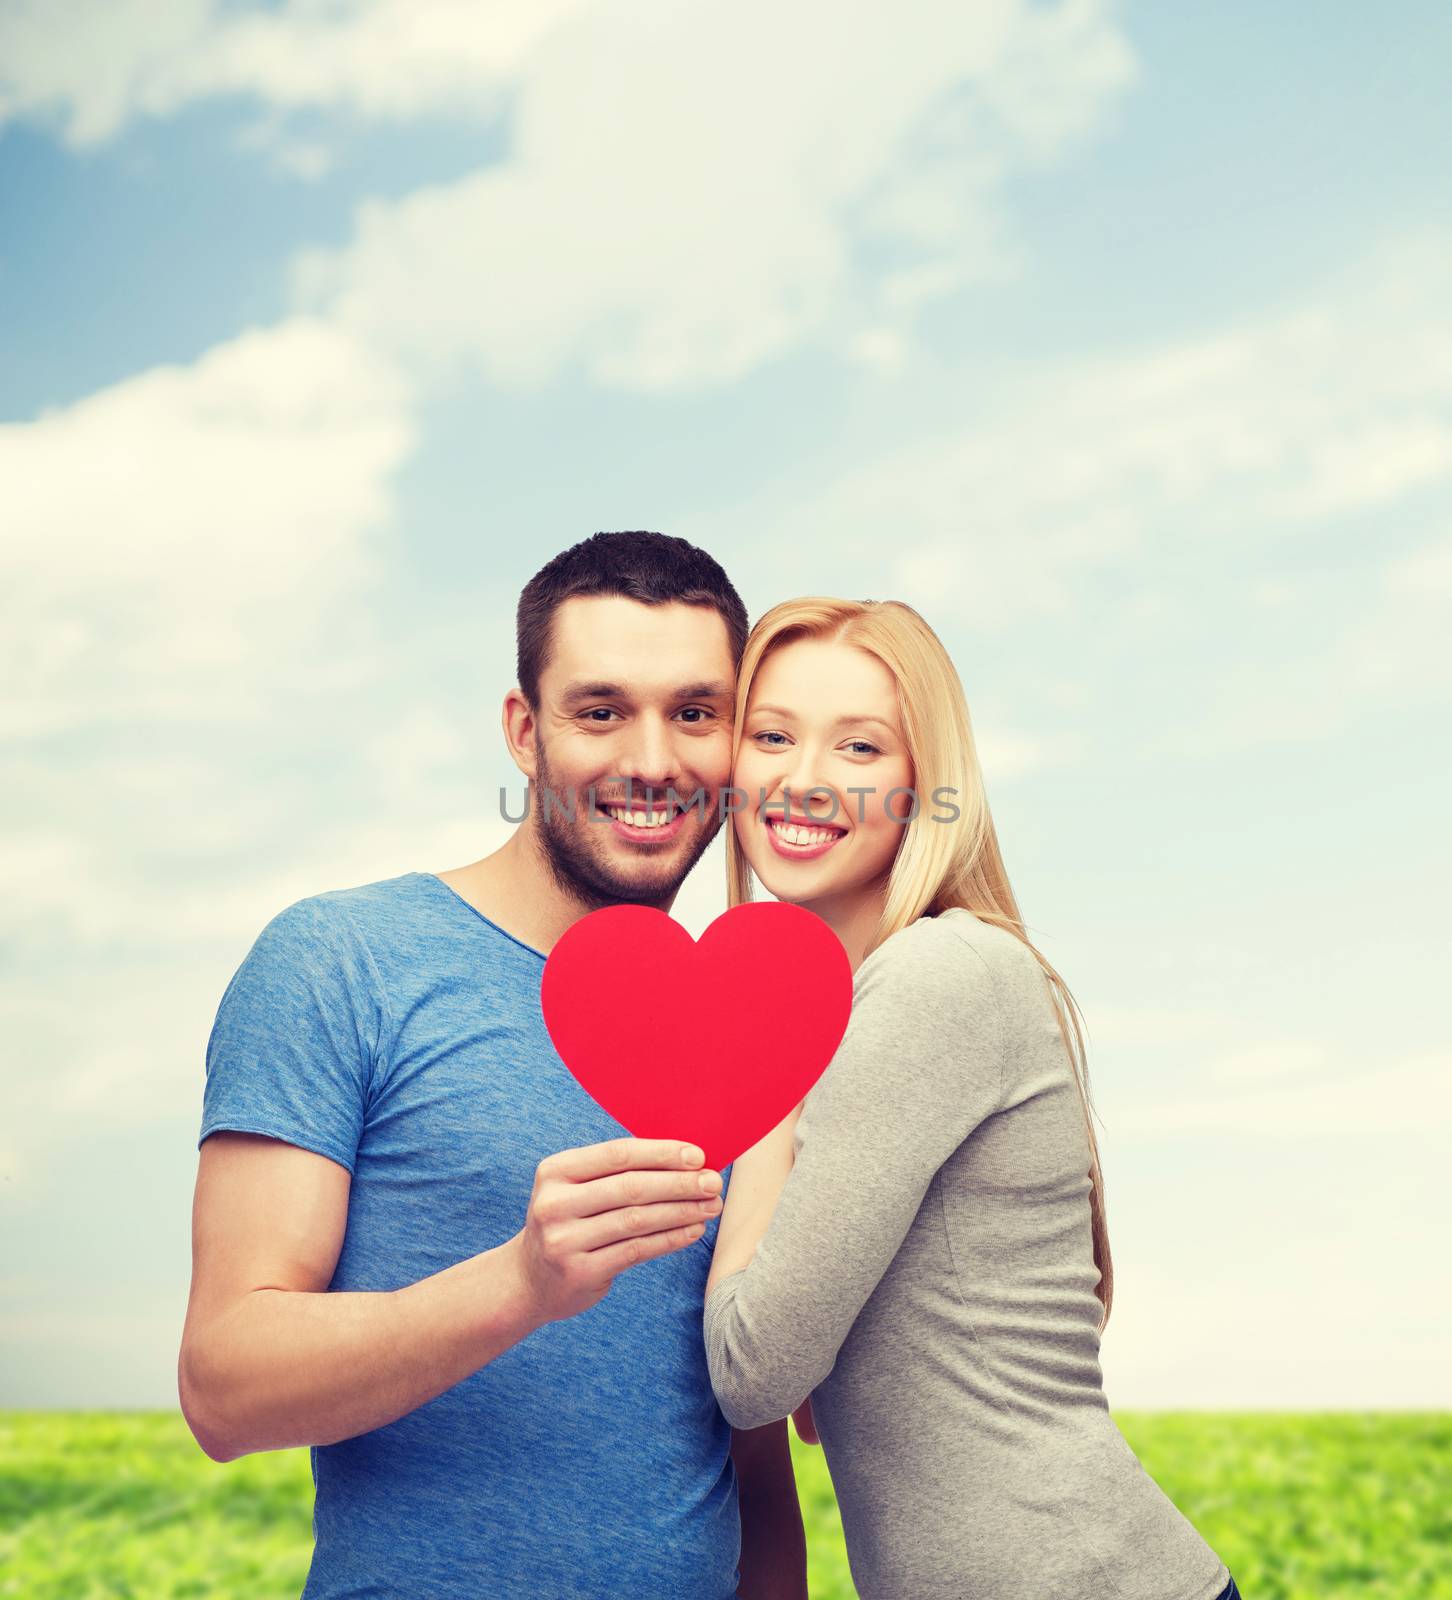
{"x": 297, "y": 1037}
{"x": 919, "y": 1067}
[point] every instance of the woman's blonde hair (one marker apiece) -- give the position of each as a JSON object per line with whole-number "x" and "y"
{"x": 952, "y": 863}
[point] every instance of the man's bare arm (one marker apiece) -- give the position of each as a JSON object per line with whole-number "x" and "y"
{"x": 773, "y": 1541}
{"x": 271, "y": 1359}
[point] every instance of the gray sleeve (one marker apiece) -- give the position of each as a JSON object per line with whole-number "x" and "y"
{"x": 919, "y": 1067}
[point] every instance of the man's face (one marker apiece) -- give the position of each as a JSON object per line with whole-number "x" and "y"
{"x": 639, "y": 693}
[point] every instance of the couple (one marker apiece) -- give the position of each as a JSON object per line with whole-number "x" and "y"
{"x": 534, "y": 1357}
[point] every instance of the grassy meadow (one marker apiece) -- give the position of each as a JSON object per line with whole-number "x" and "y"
{"x": 1301, "y": 1507}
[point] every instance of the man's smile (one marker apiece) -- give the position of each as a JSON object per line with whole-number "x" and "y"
{"x": 652, "y": 825}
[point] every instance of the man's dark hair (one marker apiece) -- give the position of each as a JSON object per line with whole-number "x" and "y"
{"x": 654, "y": 568}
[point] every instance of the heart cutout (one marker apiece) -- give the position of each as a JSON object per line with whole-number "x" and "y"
{"x": 709, "y": 1041}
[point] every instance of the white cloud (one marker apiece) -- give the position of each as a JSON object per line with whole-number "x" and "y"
{"x": 1281, "y": 1058}
{"x": 381, "y": 58}
{"x": 1371, "y": 464}
{"x": 1411, "y": 1095}
{"x": 95, "y": 65}
{"x": 117, "y": 1352}
{"x": 168, "y": 529}
{"x": 1332, "y": 417}
{"x": 1425, "y": 575}
{"x": 1401, "y": 644}
{"x": 1390, "y": 657}
{"x": 89, "y": 62}
{"x": 1251, "y": 1274}
{"x": 1005, "y": 754}
{"x": 106, "y": 890}
{"x": 1349, "y": 1320}
{"x": 692, "y": 192}
{"x": 114, "y": 1036}
{"x": 183, "y": 558}
{"x": 1137, "y": 1025}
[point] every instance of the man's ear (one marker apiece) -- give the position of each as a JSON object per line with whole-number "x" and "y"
{"x": 520, "y": 731}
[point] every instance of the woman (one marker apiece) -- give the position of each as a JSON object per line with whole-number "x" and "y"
{"x": 934, "y": 1269}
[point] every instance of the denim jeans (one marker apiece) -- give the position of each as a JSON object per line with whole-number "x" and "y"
{"x": 1229, "y": 1592}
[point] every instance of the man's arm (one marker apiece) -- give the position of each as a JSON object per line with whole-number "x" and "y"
{"x": 272, "y": 1359}
{"x": 773, "y": 1541}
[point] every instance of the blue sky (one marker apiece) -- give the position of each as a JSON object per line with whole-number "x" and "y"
{"x": 1115, "y": 338}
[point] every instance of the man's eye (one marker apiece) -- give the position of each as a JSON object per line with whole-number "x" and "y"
{"x": 697, "y": 712}
{"x": 599, "y": 713}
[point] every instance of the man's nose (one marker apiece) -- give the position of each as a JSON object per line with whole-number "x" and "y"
{"x": 648, "y": 755}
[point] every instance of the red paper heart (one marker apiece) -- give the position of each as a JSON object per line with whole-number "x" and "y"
{"x": 710, "y": 1042}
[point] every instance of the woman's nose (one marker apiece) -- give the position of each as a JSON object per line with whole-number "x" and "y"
{"x": 810, "y": 795}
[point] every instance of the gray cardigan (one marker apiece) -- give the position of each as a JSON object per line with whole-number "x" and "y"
{"x": 928, "y": 1278}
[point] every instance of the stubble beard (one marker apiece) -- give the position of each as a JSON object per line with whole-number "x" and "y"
{"x": 575, "y": 868}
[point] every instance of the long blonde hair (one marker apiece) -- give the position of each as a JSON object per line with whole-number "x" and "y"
{"x": 953, "y": 863}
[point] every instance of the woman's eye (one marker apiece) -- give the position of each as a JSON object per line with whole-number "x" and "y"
{"x": 866, "y": 749}
{"x": 770, "y": 735}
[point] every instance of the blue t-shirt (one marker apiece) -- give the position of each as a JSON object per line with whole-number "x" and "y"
{"x": 397, "y": 1031}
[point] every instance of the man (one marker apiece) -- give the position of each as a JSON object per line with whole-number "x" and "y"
{"x": 418, "y": 1245}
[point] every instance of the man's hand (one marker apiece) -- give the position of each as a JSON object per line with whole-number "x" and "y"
{"x": 805, "y": 1422}
{"x": 602, "y": 1208}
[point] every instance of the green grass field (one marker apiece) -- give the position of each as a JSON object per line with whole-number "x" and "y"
{"x": 1301, "y": 1507}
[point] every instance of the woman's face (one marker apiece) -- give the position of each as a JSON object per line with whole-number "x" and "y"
{"x": 822, "y": 720}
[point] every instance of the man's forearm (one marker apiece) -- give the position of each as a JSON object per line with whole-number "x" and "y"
{"x": 773, "y": 1540}
{"x": 286, "y": 1368}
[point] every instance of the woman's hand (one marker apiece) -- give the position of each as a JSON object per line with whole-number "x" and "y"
{"x": 806, "y": 1423}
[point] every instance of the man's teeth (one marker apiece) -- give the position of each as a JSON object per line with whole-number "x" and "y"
{"x": 795, "y": 835}
{"x": 641, "y": 819}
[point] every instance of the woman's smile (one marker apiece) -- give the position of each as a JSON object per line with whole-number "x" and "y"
{"x": 798, "y": 841}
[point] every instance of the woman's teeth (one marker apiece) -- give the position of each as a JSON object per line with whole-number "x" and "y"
{"x": 641, "y": 819}
{"x": 798, "y": 835}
